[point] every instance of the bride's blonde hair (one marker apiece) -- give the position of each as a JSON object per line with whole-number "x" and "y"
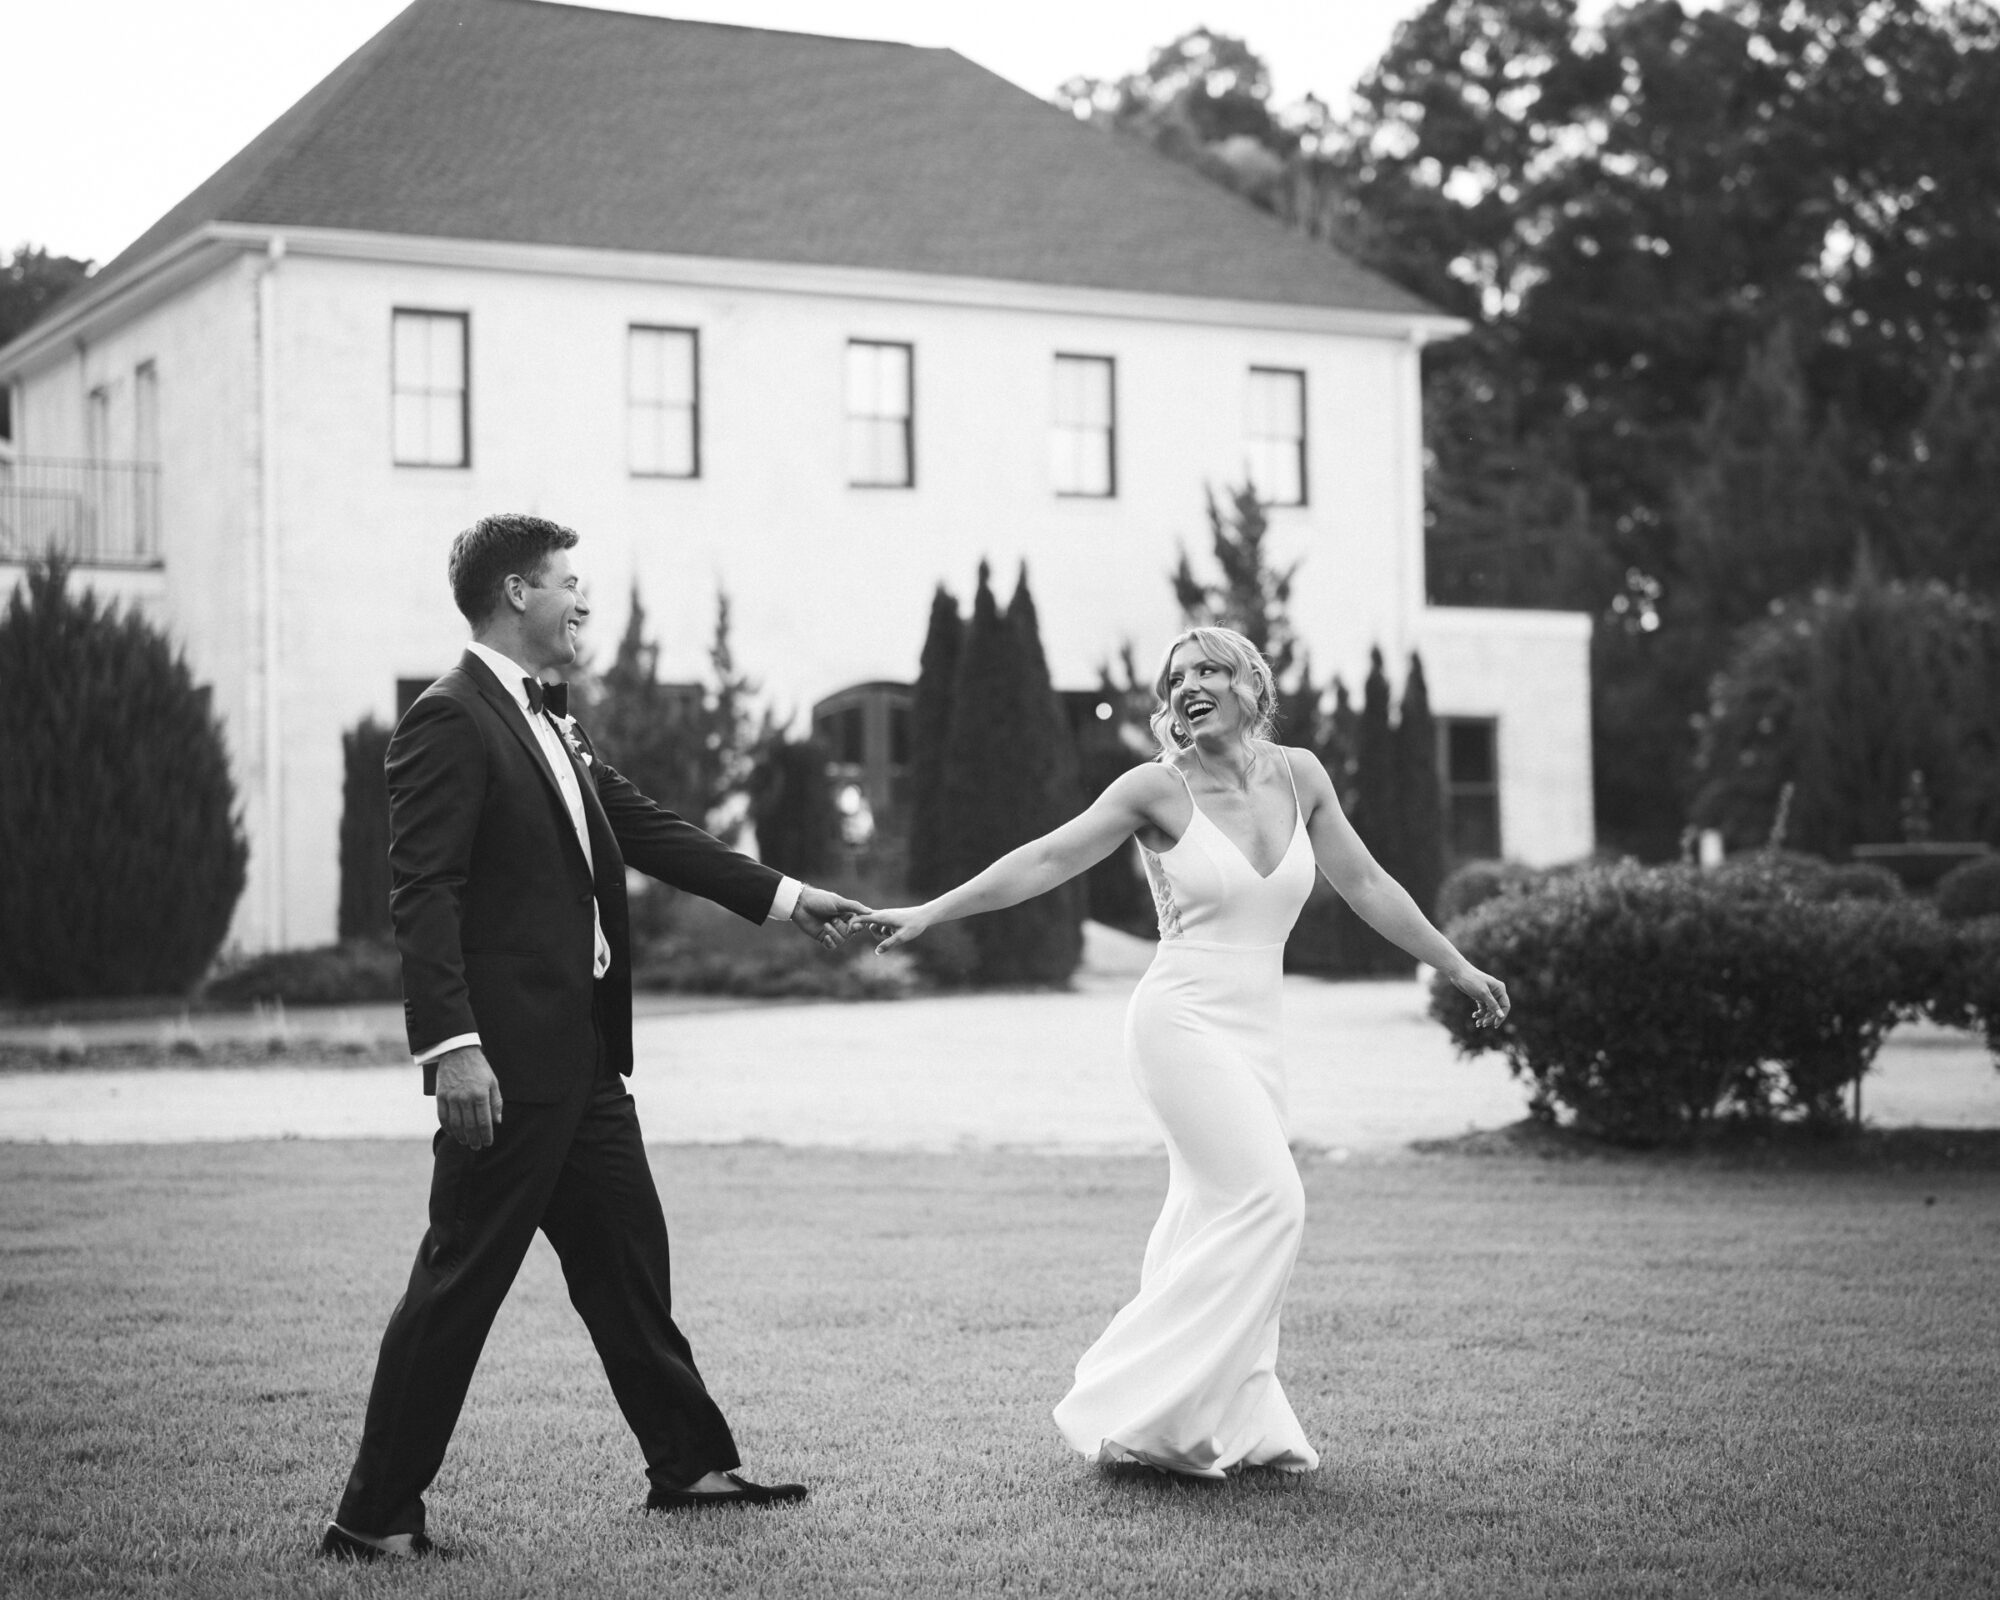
{"x": 1250, "y": 681}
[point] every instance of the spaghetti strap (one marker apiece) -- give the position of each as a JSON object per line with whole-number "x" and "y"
{"x": 1176, "y": 771}
{"x": 1298, "y": 806}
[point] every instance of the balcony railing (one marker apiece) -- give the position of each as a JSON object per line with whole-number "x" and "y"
{"x": 94, "y": 513}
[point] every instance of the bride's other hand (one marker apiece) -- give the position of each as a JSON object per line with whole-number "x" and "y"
{"x": 1487, "y": 993}
{"x": 901, "y": 924}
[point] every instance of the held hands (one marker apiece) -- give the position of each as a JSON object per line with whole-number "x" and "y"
{"x": 468, "y": 1097}
{"x": 900, "y": 923}
{"x": 826, "y": 918}
{"x": 1487, "y": 993}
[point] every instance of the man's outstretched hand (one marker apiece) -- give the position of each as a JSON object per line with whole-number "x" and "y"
{"x": 826, "y": 918}
{"x": 468, "y": 1097}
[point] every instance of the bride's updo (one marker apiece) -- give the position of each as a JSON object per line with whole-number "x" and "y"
{"x": 1249, "y": 680}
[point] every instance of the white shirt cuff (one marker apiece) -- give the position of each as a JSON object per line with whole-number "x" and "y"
{"x": 457, "y": 1041}
{"x": 785, "y": 901}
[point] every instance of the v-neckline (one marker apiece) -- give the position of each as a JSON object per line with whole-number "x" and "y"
{"x": 1243, "y": 855}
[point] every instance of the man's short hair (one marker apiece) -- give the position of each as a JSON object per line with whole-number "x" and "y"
{"x": 493, "y": 548}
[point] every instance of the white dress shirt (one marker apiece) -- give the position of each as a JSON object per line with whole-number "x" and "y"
{"x": 514, "y": 679}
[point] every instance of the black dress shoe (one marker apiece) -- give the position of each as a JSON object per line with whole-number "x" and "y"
{"x": 342, "y": 1545}
{"x": 745, "y": 1493}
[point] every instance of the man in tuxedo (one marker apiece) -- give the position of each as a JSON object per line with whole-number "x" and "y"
{"x": 509, "y": 840}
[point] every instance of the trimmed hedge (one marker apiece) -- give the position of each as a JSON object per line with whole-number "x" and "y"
{"x": 349, "y": 973}
{"x": 1647, "y": 1001}
{"x": 1970, "y": 889}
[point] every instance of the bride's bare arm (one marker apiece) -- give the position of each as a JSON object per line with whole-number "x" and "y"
{"x": 1378, "y": 899}
{"x": 1145, "y": 794}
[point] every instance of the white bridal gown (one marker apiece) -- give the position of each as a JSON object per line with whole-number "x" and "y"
{"x": 1185, "y": 1377}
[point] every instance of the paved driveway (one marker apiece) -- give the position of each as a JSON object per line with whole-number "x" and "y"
{"x": 1041, "y": 1071}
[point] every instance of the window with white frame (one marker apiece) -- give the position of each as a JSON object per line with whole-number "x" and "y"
{"x": 1469, "y": 763}
{"x": 97, "y": 425}
{"x": 1274, "y": 444}
{"x": 663, "y": 402}
{"x": 881, "y": 444}
{"x": 146, "y": 413}
{"x": 1083, "y": 439}
{"x": 431, "y": 397}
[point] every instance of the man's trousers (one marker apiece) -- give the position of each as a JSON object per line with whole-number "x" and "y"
{"x": 576, "y": 1170}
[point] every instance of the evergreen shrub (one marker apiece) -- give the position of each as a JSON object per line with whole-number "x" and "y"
{"x": 792, "y": 807}
{"x": 352, "y": 972}
{"x": 1968, "y": 994}
{"x": 364, "y": 833}
{"x": 1468, "y": 887}
{"x": 121, "y": 852}
{"x": 707, "y": 950}
{"x": 1970, "y": 889}
{"x": 1008, "y": 775}
{"x": 1649, "y": 1000}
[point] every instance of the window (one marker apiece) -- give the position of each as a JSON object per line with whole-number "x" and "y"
{"x": 146, "y": 413}
{"x": 1083, "y": 450}
{"x": 881, "y": 448}
{"x": 146, "y": 451}
{"x": 1275, "y": 441}
{"x": 663, "y": 402}
{"x": 97, "y": 426}
{"x": 1469, "y": 759}
{"x": 431, "y": 395}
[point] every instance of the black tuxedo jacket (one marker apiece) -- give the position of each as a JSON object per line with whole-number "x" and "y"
{"x": 491, "y": 896}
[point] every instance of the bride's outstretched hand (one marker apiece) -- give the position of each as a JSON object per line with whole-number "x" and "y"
{"x": 900, "y": 924}
{"x": 1487, "y": 993}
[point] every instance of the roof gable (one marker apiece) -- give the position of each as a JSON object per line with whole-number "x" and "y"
{"x": 526, "y": 122}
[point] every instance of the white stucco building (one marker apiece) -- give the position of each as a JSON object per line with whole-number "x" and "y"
{"x": 821, "y": 321}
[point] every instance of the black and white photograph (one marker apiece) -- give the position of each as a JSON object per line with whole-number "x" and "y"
{"x": 870, "y": 799}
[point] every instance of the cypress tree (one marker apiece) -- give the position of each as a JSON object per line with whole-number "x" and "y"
{"x": 364, "y": 833}
{"x": 1419, "y": 794}
{"x": 1000, "y": 779}
{"x": 121, "y": 853}
{"x": 792, "y": 807}
{"x": 1047, "y": 932}
{"x": 1375, "y": 815}
{"x": 649, "y": 731}
{"x": 930, "y": 726}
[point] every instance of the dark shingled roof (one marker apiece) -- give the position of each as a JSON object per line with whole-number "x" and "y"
{"x": 527, "y": 122}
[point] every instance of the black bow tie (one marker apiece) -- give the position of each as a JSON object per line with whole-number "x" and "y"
{"x": 550, "y": 697}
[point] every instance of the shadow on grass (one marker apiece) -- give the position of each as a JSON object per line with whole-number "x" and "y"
{"x": 1742, "y": 1145}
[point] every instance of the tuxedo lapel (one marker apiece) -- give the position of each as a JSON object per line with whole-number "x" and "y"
{"x": 509, "y": 712}
{"x": 603, "y": 842}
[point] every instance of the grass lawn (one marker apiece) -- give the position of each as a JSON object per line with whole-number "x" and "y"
{"x": 1619, "y": 1376}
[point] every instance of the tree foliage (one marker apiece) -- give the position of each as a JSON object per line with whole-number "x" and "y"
{"x": 364, "y": 833}
{"x": 792, "y": 807}
{"x": 121, "y": 852}
{"x": 1840, "y": 697}
{"x": 690, "y": 746}
{"x": 930, "y": 728}
{"x": 1709, "y": 256}
{"x": 1008, "y": 777}
{"x": 31, "y": 282}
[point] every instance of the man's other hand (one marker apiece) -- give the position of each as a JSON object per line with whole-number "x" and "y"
{"x": 826, "y": 918}
{"x": 468, "y": 1097}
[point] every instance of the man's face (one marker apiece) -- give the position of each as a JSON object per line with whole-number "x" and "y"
{"x": 555, "y": 613}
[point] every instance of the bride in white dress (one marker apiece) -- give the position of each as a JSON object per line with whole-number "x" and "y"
{"x": 1232, "y": 827}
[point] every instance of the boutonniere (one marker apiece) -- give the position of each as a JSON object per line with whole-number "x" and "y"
{"x": 566, "y": 726}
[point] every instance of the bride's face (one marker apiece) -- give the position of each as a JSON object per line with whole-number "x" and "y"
{"x": 1198, "y": 691}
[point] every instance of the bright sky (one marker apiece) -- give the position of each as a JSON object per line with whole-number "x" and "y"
{"x": 132, "y": 103}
